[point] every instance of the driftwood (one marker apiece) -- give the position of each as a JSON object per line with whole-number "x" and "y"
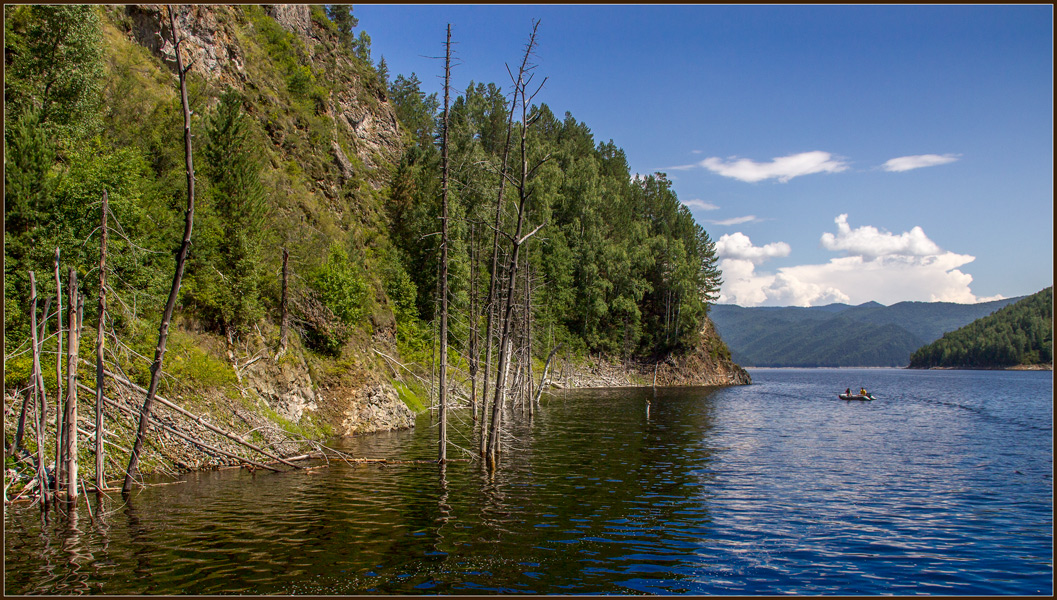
{"x": 199, "y": 420}
{"x": 163, "y": 330}
{"x": 204, "y": 446}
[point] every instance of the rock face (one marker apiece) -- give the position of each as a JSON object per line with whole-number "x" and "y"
{"x": 376, "y": 408}
{"x": 357, "y": 107}
{"x": 285, "y": 386}
{"x": 295, "y": 18}
{"x": 209, "y": 44}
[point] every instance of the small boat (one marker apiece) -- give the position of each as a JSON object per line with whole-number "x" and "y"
{"x": 855, "y": 397}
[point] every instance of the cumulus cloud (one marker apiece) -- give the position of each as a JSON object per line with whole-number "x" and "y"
{"x": 906, "y": 163}
{"x": 869, "y": 242}
{"x": 738, "y": 246}
{"x": 878, "y": 266}
{"x": 695, "y": 203}
{"x": 782, "y": 168}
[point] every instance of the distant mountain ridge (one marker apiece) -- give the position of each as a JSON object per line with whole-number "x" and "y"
{"x": 840, "y": 335}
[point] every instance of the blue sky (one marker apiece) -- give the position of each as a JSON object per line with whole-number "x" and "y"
{"x": 834, "y": 153}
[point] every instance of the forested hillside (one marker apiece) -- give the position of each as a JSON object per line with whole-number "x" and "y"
{"x": 839, "y": 335}
{"x": 304, "y": 145}
{"x": 1019, "y": 334}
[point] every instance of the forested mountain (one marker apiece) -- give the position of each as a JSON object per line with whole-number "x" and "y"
{"x": 839, "y": 335}
{"x": 1019, "y": 334}
{"x": 303, "y": 141}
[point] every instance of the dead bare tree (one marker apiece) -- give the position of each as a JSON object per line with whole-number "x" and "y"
{"x": 163, "y": 330}
{"x": 60, "y": 429}
{"x": 285, "y": 319}
{"x": 443, "y": 393}
{"x": 474, "y": 350}
{"x": 490, "y": 308}
{"x": 516, "y": 243}
{"x": 70, "y": 419}
{"x": 40, "y": 402}
{"x": 99, "y": 432}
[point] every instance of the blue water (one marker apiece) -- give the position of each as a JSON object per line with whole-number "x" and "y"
{"x": 943, "y": 485}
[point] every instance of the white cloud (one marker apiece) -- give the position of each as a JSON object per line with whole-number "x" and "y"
{"x": 738, "y": 246}
{"x": 879, "y": 266}
{"x": 782, "y": 168}
{"x": 869, "y": 242}
{"x": 906, "y": 163}
{"x": 695, "y": 203}
{"x": 678, "y": 168}
{"x": 736, "y": 220}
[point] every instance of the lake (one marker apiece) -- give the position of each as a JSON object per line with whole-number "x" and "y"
{"x": 942, "y": 485}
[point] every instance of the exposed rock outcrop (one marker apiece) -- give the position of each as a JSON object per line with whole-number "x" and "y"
{"x": 375, "y": 408}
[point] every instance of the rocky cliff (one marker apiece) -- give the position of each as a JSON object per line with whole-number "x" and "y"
{"x": 326, "y": 143}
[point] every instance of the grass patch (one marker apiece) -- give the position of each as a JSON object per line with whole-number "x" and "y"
{"x": 415, "y": 401}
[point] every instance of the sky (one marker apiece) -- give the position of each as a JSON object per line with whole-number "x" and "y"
{"x": 834, "y": 153}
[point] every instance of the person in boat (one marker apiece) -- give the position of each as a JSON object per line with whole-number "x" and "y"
{"x": 862, "y": 392}
{"x": 847, "y": 391}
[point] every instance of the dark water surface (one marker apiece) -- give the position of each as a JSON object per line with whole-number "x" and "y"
{"x": 942, "y": 485}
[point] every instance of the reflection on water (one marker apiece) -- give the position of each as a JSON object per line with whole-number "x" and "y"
{"x": 942, "y": 485}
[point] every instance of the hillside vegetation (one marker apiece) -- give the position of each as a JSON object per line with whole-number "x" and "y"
{"x": 838, "y": 335}
{"x": 1019, "y": 334}
{"x": 303, "y": 141}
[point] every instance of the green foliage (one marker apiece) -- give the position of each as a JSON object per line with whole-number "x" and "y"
{"x": 56, "y": 70}
{"x": 341, "y": 287}
{"x": 191, "y": 367}
{"x": 1018, "y": 334}
{"x": 413, "y": 398}
{"x": 341, "y": 16}
{"x": 226, "y": 268}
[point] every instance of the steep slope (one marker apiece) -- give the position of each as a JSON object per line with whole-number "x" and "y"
{"x": 316, "y": 188}
{"x": 1020, "y": 334}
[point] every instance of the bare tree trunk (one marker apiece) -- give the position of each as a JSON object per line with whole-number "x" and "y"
{"x": 518, "y": 240}
{"x": 493, "y": 281}
{"x": 163, "y": 330}
{"x": 40, "y": 401}
{"x": 284, "y": 322}
{"x": 70, "y": 419}
{"x": 70, "y": 437}
{"x": 546, "y": 369}
{"x": 20, "y": 430}
{"x": 99, "y": 452}
{"x": 60, "y": 429}
{"x": 528, "y": 332}
{"x": 474, "y": 352}
{"x": 443, "y": 397}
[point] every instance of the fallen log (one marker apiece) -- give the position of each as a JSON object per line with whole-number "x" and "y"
{"x": 202, "y": 445}
{"x": 199, "y": 420}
